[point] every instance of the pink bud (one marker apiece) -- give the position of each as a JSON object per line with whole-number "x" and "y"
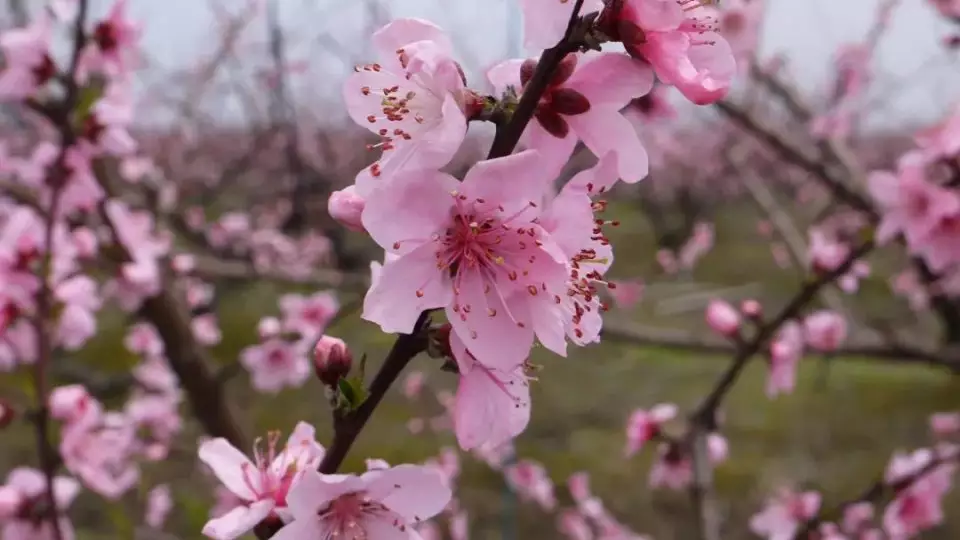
{"x": 945, "y": 424}
{"x": 722, "y": 318}
{"x": 331, "y": 360}
{"x": 69, "y": 403}
{"x": 825, "y": 331}
{"x": 346, "y": 207}
{"x": 268, "y": 327}
{"x": 10, "y": 502}
{"x": 751, "y": 309}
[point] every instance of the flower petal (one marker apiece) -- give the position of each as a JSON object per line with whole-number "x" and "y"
{"x": 414, "y": 492}
{"x": 228, "y": 465}
{"x": 238, "y": 521}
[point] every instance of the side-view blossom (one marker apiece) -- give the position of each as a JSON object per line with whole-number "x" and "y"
{"x": 825, "y": 330}
{"x": 644, "y": 426}
{"x": 25, "y": 492}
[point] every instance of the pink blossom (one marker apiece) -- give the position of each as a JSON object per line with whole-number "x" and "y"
{"x": 157, "y": 418}
{"x": 825, "y": 330}
{"x": 346, "y": 207}
{"x": 645, "y": 425}
{"x": 587, "y": 503}
{"x": 140, "y": 278}
{"x": 205, "y": 329}
{"x": 723, "y": 318}
{"x": 673, "y": 467}
{"x": 413, "y": 99}
{"x": 947, "y": 8}
{"x": 786, "y": 350}
{"x": 263, "y": 484}
{"x": 920, "y": 489}
{"x": 27, "y": 61}
{"x": 698, "y": 245}
{"x": 28, "y": 487}
{"x": 101, "y": 454}
{"x": 73, "y": 404}
{"x": 275, "y": 364}
{"x": 106, "y": 126}
{"x": 80, "y": 301}
{"x": 159, "y": 504}
{"x": 942, "y": 140}
{"x": 377, "y": 504}
{"x": 308, "y": 315}
{"x": 573, "y": 525}
{"x": 413, "y": 384}
{"x": 492, "y": 406}
{"x": 945, "y": 424}
{"x": 679, "y": 39}
{"x": 154, "y": 374}
{"x": 475, "y": 249}
{"x": 531, "y": 481}
{"x": 112, "y": 50}
{"x": 545, "y": 21}
{"x": 910, "y": 203}
{"x": 142, "y": 338}
{"x": 785, "y": 514}
{"x": 583, "y": 102}
{"x": 940, "y": 248}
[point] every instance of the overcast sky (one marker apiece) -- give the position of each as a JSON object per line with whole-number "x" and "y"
{"x": 918, "y": 78}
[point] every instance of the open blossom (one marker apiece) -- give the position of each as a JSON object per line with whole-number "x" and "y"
{"x": 276, "y": 363}
{"x": 27, "y": 61}
{"x": 491, "y": 406}
{"x": 263, "y": 484}
{"x": 644, "y": 425}
{"x": 379, "y": 504}
{"x": 413, "y": 99}
{"x": 26, "y": 491}
{"x": 100, "y": 452}
{"x": 679, "y": 39}
{"x": 474, "y": 248}
{"x": 920, "y": 489}
{"x": 530, "y": 480}
{"x": 825, "y": 330}
{"x": 785, "y": 514}
{"x": 673, "y": 467}
{"x": 583, "y": 103}
{"x": 308, "y": 315}
{"x": 112, "y": 49}
{"x": 942, "y": 140}
{"x": 911, "y": 204}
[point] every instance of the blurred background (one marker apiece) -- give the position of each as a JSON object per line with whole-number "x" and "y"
{"x": 239, "y": 108}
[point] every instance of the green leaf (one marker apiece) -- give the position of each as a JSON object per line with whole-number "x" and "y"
{"x": 352, "y": 392}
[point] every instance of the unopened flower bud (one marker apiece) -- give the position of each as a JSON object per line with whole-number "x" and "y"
{"x": 7, "y": 414}
{"x": 10, "y": 502}
{"x": 346, "y": 207}
{"x": 268, "y": 327}
{"x": 331, "y": 360}
{"x": 751, "y": 309}
{"x": 722, "y": 318}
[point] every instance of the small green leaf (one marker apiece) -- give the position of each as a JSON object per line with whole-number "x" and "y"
{"x": 352, "y": 392}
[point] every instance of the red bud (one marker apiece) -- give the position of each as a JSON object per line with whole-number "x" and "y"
{"x": 332, "y": 360}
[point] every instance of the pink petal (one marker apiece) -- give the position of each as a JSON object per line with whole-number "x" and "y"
{"x": 544, "y": 22}
{"x": 406, "y": 287}
{"x": 488, "y": 329}
{"x": 605, "y": 130}
{"x": 400, "y": 32}
{"x": 512, "y": 182}
{"x": 485, "y": 413}
{"x": 228, "y": 465}
{"x": 411, "y": 207}
{"x": 505, "y": 74}
{"x": 414, "y": 492}
{"x": 238, "y": 521}
{"x": 612, "y": 79}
